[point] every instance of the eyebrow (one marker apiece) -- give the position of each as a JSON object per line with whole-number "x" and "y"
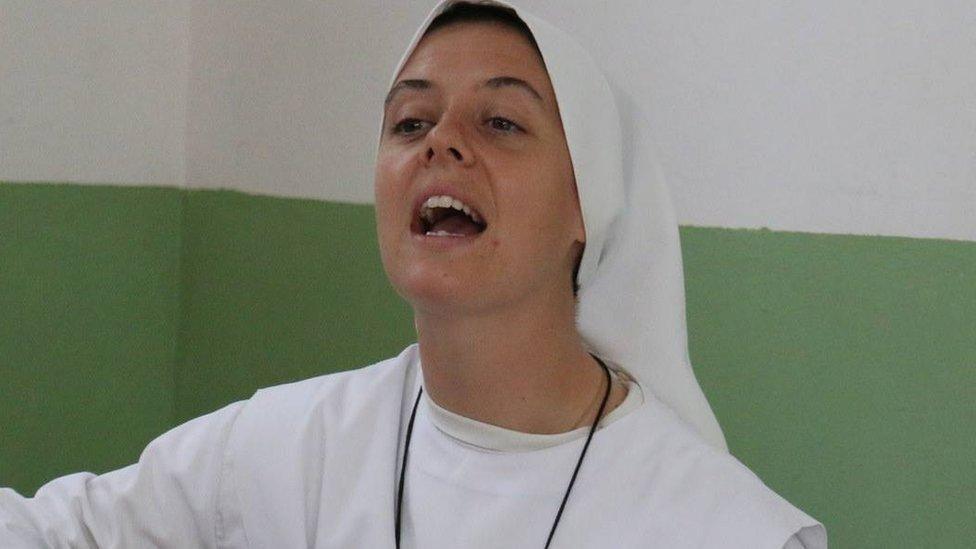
{"x": 496, "y": 82}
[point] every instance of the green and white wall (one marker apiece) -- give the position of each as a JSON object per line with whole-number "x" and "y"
{"x": 183, "y": 220}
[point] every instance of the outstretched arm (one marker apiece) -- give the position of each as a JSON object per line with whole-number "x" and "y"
{"x": 165, "y": 500}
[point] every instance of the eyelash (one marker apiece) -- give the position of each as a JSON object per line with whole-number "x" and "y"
{"x": 398, "y": 128}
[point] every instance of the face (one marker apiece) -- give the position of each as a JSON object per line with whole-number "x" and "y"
{"x": 473, "y": 116}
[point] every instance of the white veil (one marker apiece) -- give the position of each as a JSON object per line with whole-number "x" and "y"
{"x": 631, "y": 308}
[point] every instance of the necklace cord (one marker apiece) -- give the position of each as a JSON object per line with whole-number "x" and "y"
{"x": 403, "y": 471}
{"x": 599, "y": 416}
{"x": 559, "y": 514}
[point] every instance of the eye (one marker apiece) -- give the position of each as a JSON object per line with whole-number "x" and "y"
{"x": 503, "y": 125}
{"x": 407, "y": 126}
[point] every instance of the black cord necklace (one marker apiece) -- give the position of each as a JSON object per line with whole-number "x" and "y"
{"x": 413, "y": 414}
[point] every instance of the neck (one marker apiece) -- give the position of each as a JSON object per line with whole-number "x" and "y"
{"x": 516, "y": 368}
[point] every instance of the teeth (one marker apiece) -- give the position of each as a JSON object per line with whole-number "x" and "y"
{"x": 444, "y": 201}
{"x": 442, "y": 233}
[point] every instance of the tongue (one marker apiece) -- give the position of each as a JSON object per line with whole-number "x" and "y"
{"x": 456, "y": 224}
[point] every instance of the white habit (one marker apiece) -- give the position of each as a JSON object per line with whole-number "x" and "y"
{"x": 316, "y": 464}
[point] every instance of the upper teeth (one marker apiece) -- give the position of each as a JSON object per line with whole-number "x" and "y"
{"x": 444, "y": 201}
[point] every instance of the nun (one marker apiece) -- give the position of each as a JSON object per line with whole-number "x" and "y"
{"x": 549, "y": 400}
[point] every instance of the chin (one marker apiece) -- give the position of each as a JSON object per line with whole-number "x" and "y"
{"x": 435, "y": 290}
{"x": 440, "y": 291}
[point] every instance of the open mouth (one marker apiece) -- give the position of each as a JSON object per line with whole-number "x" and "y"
{"x": 446, "y": 216}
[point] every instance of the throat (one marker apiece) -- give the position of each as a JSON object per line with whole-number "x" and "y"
{"x": 525, "y": 406}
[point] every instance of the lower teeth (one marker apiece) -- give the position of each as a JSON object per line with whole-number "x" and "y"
{"x": 442, "y": 233}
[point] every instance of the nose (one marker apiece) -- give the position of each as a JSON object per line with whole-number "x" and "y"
{"x": 445, "y": 142}
{"x": 454, "y": 152}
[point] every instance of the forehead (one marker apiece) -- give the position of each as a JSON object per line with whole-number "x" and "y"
{"x": 462, "y": 53}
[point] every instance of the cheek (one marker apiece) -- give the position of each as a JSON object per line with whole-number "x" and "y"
{"x": 552, "y": 206}
{"x": 384, "y": 178}
{"x": 390, "y": 190}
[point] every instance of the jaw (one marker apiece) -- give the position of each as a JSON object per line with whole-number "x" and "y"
{"x": 444, "y": 274}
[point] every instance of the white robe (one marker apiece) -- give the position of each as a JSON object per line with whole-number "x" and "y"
{"x": 316, "y": 464}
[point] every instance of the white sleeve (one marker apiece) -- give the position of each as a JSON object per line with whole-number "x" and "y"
{"x": 810, "y": 537}
{"x": 166, "y": 500}
{"x": 794, "y": 543}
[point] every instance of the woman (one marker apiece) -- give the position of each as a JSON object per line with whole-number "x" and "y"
{"x": 548, "y": 401}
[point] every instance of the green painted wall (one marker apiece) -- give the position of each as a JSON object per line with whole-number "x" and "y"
{"x": 279, "y": 290}
{"x": 842, "y": 368}
{"x": 89, "y": 288}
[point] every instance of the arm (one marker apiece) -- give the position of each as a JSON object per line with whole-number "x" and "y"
{"x": 809, "y": 537}
{"x": 166, "y": 500}
{"x": 794, "y": 543}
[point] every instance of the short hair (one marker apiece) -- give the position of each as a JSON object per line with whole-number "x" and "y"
{"x": 469, "y": 12}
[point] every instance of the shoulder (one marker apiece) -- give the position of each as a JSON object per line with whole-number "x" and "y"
{"x": 296, "y": 443}
{"x": 337, "y": 388}
{"x": 322, "y": 408}
{"x": 328, "y": 402}
{"x": 711, "y": 489}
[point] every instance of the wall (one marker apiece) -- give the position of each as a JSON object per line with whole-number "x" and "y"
{"x": 94, "y": 91}
{"x": 89, "y": 313}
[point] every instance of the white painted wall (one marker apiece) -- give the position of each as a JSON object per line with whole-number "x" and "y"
{"x": 93, "y": 91}
{"x": 283, "y": 95}
{"x": 823, "y": 116}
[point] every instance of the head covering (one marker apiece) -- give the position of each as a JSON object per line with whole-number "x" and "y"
{"x": 631, "y": 301}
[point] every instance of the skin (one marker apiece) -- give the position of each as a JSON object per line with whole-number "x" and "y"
{"x": 494, "y": 318}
